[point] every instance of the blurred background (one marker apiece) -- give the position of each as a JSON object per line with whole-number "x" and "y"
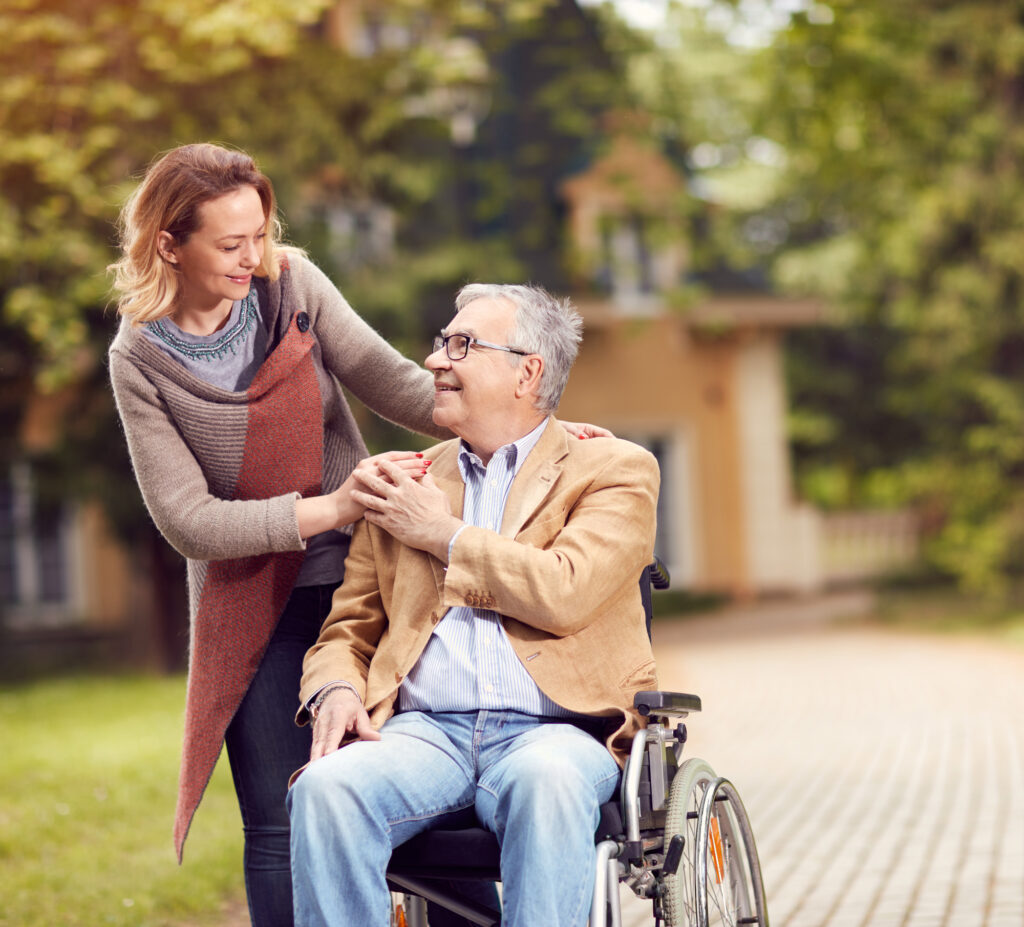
{"x": 793, "y": 229}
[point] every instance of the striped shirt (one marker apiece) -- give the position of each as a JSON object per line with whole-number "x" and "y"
{"x": 468, "y": 663}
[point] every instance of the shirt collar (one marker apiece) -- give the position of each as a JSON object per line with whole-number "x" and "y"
{"x": 515, "y": 453}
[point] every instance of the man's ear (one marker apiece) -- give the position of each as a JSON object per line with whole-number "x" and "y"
{"x": 166, "y": 247}
{"x": 531, "y": 368}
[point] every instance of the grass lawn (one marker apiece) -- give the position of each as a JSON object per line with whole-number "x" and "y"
{"x": 944, "y": 609}
{"x": 88, "y": 773}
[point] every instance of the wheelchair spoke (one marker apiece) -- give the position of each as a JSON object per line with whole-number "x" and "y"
{"x": 718, "y": 882}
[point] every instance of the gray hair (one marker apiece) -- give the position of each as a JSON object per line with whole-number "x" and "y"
{"x": 542, "y": 325}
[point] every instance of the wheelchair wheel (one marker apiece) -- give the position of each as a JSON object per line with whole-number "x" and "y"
{"x": 691, "y": 782}
{"x": 727, "y": 865}
{"x": 718, "y": 882}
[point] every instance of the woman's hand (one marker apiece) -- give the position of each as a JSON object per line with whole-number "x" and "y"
{"x": 583, "y": 430}
{"x": 336, "y": 509}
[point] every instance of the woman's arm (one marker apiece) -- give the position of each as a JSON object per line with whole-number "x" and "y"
{"x": 199, "y": 524}
{"x": 387, "y": 382}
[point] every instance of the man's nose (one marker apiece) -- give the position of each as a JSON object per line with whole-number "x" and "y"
{"x": 438, "y": 360}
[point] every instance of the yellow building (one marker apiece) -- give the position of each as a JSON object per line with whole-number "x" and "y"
{"x": 697, "y": 380}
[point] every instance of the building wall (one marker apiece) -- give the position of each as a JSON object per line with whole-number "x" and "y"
{"x": 782, "y": 537}
{"x": 651, "y": 379}
{"x": 713, "y": 407}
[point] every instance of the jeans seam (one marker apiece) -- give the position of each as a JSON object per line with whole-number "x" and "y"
{"x": 429, "y": 814}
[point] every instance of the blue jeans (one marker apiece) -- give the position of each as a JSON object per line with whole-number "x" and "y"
{"x": 265, "y": 746}
{"x": 537, "y": 784}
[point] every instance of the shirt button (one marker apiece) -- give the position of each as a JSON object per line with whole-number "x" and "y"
{"x": 489, "y": 688}
{"x": 302, "y": 322}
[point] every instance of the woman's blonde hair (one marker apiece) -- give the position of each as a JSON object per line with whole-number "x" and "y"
{"x": 168, "y": 200}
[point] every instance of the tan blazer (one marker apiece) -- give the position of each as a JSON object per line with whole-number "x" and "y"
{"x": 563, "y": 572}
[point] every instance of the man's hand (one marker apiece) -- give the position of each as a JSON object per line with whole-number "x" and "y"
{"x": 341, "y": 713}
{"x": 317, "y": 514}
{"x": 416, "y": 513}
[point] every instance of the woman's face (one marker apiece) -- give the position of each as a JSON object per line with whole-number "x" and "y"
{"x": 217, "y": 262}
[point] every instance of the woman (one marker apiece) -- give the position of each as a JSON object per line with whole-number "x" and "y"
{"x": 227, "y": 371}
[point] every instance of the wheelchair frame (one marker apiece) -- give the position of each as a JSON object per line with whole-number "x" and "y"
{"x": 678, "y": 835}
{"x": 687, "y": 844}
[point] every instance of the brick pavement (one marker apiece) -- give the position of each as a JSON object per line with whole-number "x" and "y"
{"x": 882, "y": 771}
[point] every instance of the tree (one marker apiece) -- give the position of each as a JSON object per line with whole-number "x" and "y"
{"x": 900, "y": 203}
{"x": 94, "y": 89}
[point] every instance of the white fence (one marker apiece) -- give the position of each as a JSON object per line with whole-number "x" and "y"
{"x": 866, "y": 545}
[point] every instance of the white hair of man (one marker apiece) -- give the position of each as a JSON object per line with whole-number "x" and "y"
{"x": 543, "y": 325}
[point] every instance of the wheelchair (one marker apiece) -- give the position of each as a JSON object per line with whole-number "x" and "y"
{"x": 677, "y": 835}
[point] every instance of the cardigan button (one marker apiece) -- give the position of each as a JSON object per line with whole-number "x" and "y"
{"x": 302, "y": 322}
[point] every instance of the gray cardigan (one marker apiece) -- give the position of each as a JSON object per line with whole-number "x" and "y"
{"x": 186, "y": 439}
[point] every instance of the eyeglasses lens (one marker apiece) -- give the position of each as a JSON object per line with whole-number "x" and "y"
{"x": 455, "y": 346}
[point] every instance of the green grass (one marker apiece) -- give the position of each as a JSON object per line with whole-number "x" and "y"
{"x": 88, "y": 774}
{"x": 943, "y": 609}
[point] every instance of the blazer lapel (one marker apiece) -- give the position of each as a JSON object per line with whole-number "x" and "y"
{"x": 445, "y": 472}
{"x": 536, "y": 478}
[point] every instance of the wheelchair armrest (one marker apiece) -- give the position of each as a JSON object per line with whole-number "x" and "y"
{"x": 665, "y": 703}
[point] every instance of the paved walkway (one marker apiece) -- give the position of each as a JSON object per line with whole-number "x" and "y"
{"x": 882, "y": 771}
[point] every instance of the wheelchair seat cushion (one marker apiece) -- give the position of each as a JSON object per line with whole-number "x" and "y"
{"x": 459, "y": 843}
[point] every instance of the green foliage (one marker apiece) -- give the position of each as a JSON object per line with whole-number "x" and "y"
{"x": 90, "y": 91}
{"x": 86, "y": 807}
{"x": 901, "y": 203}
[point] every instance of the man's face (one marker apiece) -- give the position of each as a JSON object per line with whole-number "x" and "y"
{"x": 471, "y": 393}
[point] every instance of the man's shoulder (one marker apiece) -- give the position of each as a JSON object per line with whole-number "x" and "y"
{"x": 598, "y": 451}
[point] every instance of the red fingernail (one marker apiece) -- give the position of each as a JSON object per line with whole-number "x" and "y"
{"x": 423, "y": 472}
{"x": 427, "y": 463}
{"x": 582, "y": 437}
{"x": 418, "y": 454}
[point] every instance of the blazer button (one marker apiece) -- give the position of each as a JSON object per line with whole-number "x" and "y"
{"x": 302, "y": 322}
{"x": 398, "y": 677}
{"x": 433, "y": 618}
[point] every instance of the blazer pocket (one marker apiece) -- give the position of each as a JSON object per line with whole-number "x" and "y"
{"x": 641, "y": 678}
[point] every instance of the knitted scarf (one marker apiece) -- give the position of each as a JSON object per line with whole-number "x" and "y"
{"x": 242, "y": 599}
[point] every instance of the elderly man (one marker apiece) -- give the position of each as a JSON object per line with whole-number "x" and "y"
{"x": 486, "y": 644}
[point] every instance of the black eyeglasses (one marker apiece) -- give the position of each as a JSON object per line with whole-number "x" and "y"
{"x": 457, "y": 346}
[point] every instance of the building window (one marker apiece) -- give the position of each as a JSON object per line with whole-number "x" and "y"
{"x": 34, "y": 560}
{"x": 674, "y": 542}
{"x": 636, "y": 262}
